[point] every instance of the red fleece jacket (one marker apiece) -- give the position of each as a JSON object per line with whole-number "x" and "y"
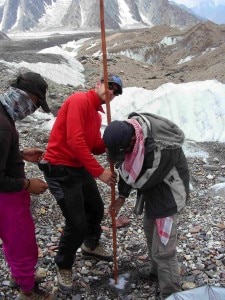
{"x": 76, "y": 135}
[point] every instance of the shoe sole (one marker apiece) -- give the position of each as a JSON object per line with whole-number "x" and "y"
{"x": 151, "y": 276}
{"x": 65, "y": 290}
{"x": 96, "y": 256}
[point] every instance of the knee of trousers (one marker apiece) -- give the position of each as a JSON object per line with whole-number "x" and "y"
{"x": 78, "y": 226}
{"x": 164, "y": 255}
{"x": 161, "y": 251}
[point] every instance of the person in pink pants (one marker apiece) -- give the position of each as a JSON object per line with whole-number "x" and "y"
{"x": 17, "y": 232}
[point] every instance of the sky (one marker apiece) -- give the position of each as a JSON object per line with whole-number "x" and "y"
{"x": 193, "y": 3}
{"x": 196, "y": 107}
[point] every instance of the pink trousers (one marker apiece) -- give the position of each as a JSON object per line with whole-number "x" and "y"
{"x": 18, "y": 236}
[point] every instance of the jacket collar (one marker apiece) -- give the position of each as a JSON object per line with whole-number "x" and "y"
{"x": 96, "y": 101}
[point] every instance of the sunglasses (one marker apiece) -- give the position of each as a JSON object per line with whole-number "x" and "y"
{"x": 116, "y": 92}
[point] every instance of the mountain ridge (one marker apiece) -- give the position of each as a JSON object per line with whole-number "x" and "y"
{"x": 81, "y": 14}
{"x": 207, "y": 10}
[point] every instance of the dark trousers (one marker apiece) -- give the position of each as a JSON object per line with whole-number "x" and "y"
{"x": 77, "y": 194}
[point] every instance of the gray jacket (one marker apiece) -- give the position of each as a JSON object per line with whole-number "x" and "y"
{"x": 163, "y": 182}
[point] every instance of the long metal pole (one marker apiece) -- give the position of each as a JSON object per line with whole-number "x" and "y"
{"x": 108, "y": 111}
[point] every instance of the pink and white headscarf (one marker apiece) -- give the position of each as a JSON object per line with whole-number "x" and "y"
{"x": 133, "y": 162}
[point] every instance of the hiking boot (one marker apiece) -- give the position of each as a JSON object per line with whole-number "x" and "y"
{"x": 35, "y": 294}
{"x": 65, "y": 281}
{"x": 100, "y": 252}
{"x": 39, "y": 276}
{"x": 147, "y": 272}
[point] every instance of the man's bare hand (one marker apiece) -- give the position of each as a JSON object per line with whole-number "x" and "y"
{"x": 108, "y": 177}
{"x": 32, "y": 154}
{"x": 36, "y": 186}
{"x": 119, "y": 202}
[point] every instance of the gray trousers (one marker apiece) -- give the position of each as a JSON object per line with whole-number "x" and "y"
{"x": 163, "y": 258}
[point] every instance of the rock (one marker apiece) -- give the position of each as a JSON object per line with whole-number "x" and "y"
{"x": 188, "y": 285}
{"x": 210, "y": 167}
{"x": 217, "y": 190}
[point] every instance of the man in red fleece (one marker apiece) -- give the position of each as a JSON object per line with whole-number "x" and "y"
{"x": 70, "y": 172}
